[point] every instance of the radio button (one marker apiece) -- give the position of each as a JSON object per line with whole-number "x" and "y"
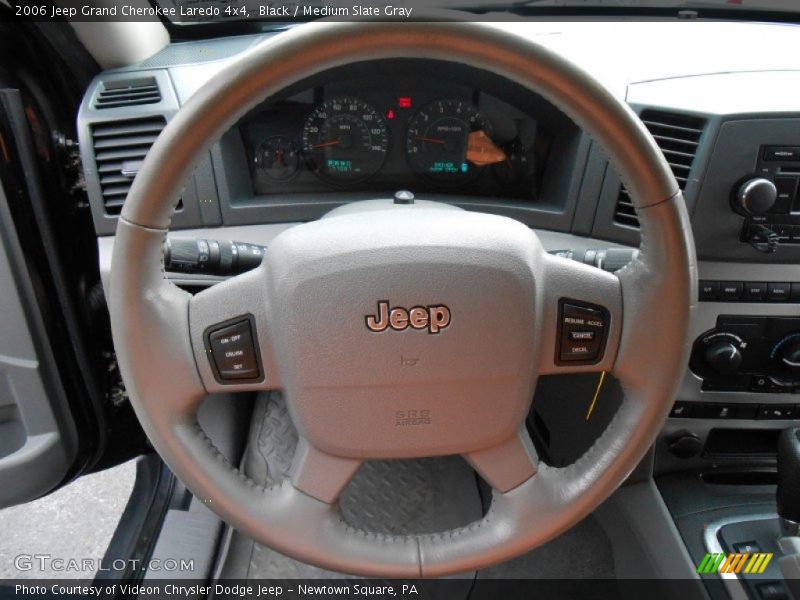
{"x": 709, "y": 290}
{"x": 730, "y": 290}
{"x": 755, "y": 290}
{"x": 785, "y": 187}
{"x": 778, "y": 292}
{"x": 782, "y": 154}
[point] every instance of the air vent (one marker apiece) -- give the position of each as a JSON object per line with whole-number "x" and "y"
{"x": 128, "y": 92}
{"x": 678, "y": 137}
{"x": 119, "y": 149}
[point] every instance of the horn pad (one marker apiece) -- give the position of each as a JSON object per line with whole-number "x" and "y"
{"x": 407, "y": 331}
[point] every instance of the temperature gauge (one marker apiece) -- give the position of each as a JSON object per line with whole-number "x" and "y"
{"x": 278, "y": 158}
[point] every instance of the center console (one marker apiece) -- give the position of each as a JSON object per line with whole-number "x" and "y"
{"x": 741, "y": 384}
{"x": 716, "y": 458}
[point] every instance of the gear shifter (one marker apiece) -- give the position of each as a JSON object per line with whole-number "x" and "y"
{"x": 788, "y": 494}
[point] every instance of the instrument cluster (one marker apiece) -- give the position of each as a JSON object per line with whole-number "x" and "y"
{"x": 438, "y": 138}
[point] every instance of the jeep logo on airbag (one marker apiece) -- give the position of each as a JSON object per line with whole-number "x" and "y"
{"x": 434, "y": 318}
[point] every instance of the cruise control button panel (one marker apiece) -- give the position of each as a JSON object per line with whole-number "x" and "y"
{"x": 233, "y": 352}
{"x": 582, "y": 332}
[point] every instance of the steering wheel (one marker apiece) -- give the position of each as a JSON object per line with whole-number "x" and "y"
{"x": 473, "y": 298}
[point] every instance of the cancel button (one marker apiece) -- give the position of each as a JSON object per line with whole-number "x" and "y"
{"x": 582, "y": 336}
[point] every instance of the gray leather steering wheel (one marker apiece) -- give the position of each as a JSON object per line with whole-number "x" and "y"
{"x": 477, "y": 363}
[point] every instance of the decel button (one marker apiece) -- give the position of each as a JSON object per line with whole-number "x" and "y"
{"x": 233, "y": 351}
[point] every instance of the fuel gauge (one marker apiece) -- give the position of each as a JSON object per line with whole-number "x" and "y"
{"x": 519, "y": 166}
{"x": 278, "y": 157}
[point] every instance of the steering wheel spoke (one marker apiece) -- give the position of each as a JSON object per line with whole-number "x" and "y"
{"x": 319, "y": 474}
{"x": 508, "y": 464}
{"x": 581, "y": 317}
{"x": 230, "y": 335}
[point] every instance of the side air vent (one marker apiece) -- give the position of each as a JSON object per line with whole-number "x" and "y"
{"x": 678, "y": 137}
{"x": 127, "y": 92}
{"x": 119, "y": 149}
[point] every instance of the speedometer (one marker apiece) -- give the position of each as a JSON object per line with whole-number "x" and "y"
{"x": 438, "y": 138}
{"x": 345, "y": 141}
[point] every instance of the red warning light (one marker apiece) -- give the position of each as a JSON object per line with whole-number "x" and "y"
{"x": 390, "y": 114}
{"x": 404, "y": 102}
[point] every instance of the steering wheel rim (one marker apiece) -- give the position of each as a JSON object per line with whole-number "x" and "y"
{"x": 159, "y": 330}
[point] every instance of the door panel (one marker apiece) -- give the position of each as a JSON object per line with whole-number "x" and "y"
{"x": 63, "y": 408}
{"x": 38, "y": 440}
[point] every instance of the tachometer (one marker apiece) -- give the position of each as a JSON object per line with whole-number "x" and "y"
{"x": 437, "y": 141}
{"x": 345, "y": 140}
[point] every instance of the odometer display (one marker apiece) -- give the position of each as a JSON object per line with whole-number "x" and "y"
{"x": 345, "y": 141}
{"x": 437, "y": 141}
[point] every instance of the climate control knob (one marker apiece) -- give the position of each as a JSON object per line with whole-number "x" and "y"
{"x": 790, "y": 357}
{"x": 755, "y": 196}
{"x": 723, "y": 356}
